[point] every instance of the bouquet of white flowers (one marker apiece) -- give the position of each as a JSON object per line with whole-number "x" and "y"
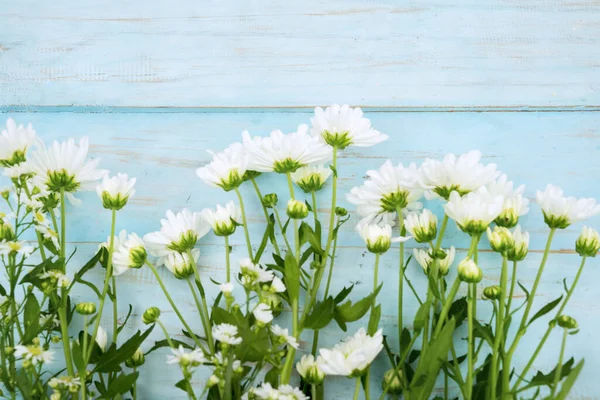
{"x": 242, "y": 346}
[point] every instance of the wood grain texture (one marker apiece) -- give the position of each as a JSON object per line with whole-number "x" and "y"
{"x": 163, "y": 150}
{"x": 273, "y": 53}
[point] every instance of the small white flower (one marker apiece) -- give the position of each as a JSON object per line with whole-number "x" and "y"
{"x": 64, "y": 166}
{"x": 424, "y": 259}
{"x": 178, "y": 232}
{"x": 14, "y": 142}
{"x": 474, "y": 211}
{"x": 285, "y": 153}
{"x": 309, "y": 370}
{"x": 588, "y": 242}
{"x": 50, "y": 320}
{"x": 463, "y": 174}
{"x": 34, "y": 353}
{"x": 263, "y": 314}
{"x": 277, "y": 285}
{"x": 469, "y": 272}
{"x": 129, "y": 252}
{"x": 18, "y": 171}
{"x": 351, "y": 357}
{"x": 342, "y": 126}
{"x": 6, "y": 218}
{"x": 227, "y": 168}
{"x": 376, "y": 235}
{"x": 284, "y": 335}
{"x": 65, "y": 382}
{"x": 422, "y": 226}
{"x": 185, "y": 359}
{"x": 253, "y": 273}
{"x": 224, "y": 220}
{"x": 515, "y": 204}
{"x": 102, "y": 338}
{"x": 266, "y": 392}
{"x": 226, "y": 333}
{"x": 288, "y": 392}
{"x": 115, "y": 191}
{"x": 521, "y": 247}
{"x": 19, "y": 248}
{"x": 560, "y": 211}
{"x": 388, "y": 189}
{"x": 56, "y": 277}
{"x": 182, "y": 265}
{"x": 226, "y": 288}
{"x": 311, "y": 178}
{"x": 48, "y": 234}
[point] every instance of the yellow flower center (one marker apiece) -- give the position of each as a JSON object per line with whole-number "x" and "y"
{"x": 14, "y": 246}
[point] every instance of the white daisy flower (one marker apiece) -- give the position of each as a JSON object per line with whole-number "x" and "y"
{"x": 186, "y": 359}
{"x": 515, "y": 204}
{"x": 226, "y": 333}
{"x": 423, "y": 257}
{"x": 463, "y": 174}
{"x": 34, "y": 353}
{"x": 311, "y": 178}
{"x": 266, "y": 392}
{"x": 308, "y": 368}
{"x": 129, "y": 252}
{"x": 284, "y": 153}
{"x": 115, "y": 191}
{"x": 182, "y": 265}
{"x": 227, "y": 168}
{"x": 423, "y": 226}
{"x": 263, "y": 314}
{"x": 19, "y": 248}
{"x": 56, "y": 277}
{"x": 17, "y": 171}
{"x": 15, "y": 140}
{"x": 377, "y": 235}
{"x": 226, "y": 288}
{"x": 386, "y": 190}
{"x": 560, "y": 211}
{"x": 254, "y": 273}
{"x": 284, "y": 335}
{"x": 50, "y": 320}
{"x": 351, "y": 357}
{"x": 474, "y": 211}
{"x": 342, "y": 126}
{"x": 48, "y": 234}
{"x": 178, "y": 232}
{"x": 223, "y": 220}
{"x": 65, "y": 166}
{"x": 65, "y": 382}
{"x": 277, "y": 285}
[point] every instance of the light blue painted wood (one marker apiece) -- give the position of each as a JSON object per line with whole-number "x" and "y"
{"x": 163, "y": 150}
{"x": 274, "y": 53}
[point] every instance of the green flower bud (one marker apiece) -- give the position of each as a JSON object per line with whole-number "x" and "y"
{"x": 297, "y": 209}
{"x": 309, "y": 370}
{"x": 55, "y": 339}
{"x": 212, "y": 381}
{"x": 520, "y": 249}
{"x": 341, "y": 211}
{"x": 9, "y": 350}
{"x": 556, "y": 221}
{"x": 492, "y": 292}
{"x": 564, "y": 321}
{"x": 86, "y": 308}
{"x": 311, "y": 178}
{"x": 392, "y": 382}
{"x": 501, "y": 239}
{"x": 469, "y": 272}
{"x": 588, "y": 242}
{"x": 508, "y": 218}
{"x": 5, "y": 194}
{"x": 270, "y": 200}
{"x": 136, "y": 360}
{"x": 151, "y": 315}
{"x": 6, "y": 232}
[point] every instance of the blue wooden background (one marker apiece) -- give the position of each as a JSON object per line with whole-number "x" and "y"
{"x": 155, "y": 84}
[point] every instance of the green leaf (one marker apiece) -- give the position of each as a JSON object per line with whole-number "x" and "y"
{"x": 308, "y": 235}
{"x": 200, "y": 288}
{"x": 349, "y": 312}
{"x": 568, "y": 384}
{"x": 121, "y": 384}
{"x": 483, "y": 331}
{"x": 31, "y": 317}
{"x": 165, "y": 343}
{"x": 545, "y": 310}
{"x": 272, "y": 376}
{"x": 374, "y": 320}
{"x": 421, "y": 316}
{"x": 292, "y": 276}
{"x": 236, "y": 318}
{"x": 96, "y": 350}
{"x": 186, "y": 387}
{"x": 258, "y": 345}
{"x": 333, "y": 170}
{"x": 343, "y": 294}
{"x": 321, "y": 315}
{"x": 111, "y": 360}
{"x": 433, "y": 285}
{"x": 404, "y": 340}
{"x": 77, "y": 357}
{"x": 91, "y": 286}
{"x": 120, "y": 328}
{"x": 264, "y": 241}
{"x": 541, "y": 379}
{"x": 524, "y": 289}
{"x": 458, "y": 311}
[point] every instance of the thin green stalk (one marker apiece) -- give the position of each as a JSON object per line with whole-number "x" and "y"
{"x": 245, "y": 222}
{"x": 513, "y": 281}
{"x": 205, "y": 323}
{"x": 111, "y": 247}
{"x": 63, "y": 227}
{"x": 134, "y": 385}
{"x": 314, "y": 207}
{"x": 375, "y": 280}
{"x": 560, "y": 362}
{"x": 265, "y": 212}
{"x": 313, "y": 392}
{"x": 227, "y": 259}
{"x": 84, "y": 351}
{"x": 115, "y": 311}
{"x": 500, "y": 316}
{"x": 470, "y": 349}
{"x": 550, "y": 327}
{"x": 356, "y": 389}
{"x": 172, "y": 303}
{"x": 281, "y": 229}
{"x": 446, "y": 307}
{"x": 330, "y": 273}
{"x": 166, "y": 333}
{"x": 400, "y": 279}
{"x": 295, "y": 221}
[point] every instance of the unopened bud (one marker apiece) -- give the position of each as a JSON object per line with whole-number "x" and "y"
{"x": 564, "y": 321}
{"x": 492, "y": 292}
{"x": 588, "y": 242}
{"x": 501, "y": 239}
{"x": 136, "y": 360}
{"x": 341, "y": 211}
{"x": 270, "y": 200}
{"x": 297, "y": 209}
{"x": 151, "y": 315}
{"x": 392, "y": 382}
{"x": 86, "y": 308}
{"x": 469, "y": 272}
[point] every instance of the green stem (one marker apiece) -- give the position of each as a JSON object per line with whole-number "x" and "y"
{"x": 356, "y": 389}
{"x": 245, "y": 222}
{"x": 400, "y": 279}
{"x": 375, "y": 280}
{"x": 493, "y": 378}
{"x": 166, "y": 333}
{"x": 313, "y": 392}
{"x": 135, "y": 385}
{"x": 205, "y": 324}
{"x": 295, "y": 221}
{"x": 265, "y": 212}
{"x": 63, "y": 227}
{"x": 111, "y": 246}
{"x": 513, "y": 282}
{"x": 172, "y": 303}
{"x": 287, "y": 243}
{"x": 438, "y": 243}
{"x": 560, "y": 361}
{"x": 470, "y": 349}
{"x": 314, "y": 207}
{"x": 84, "y": 351}
{"x": 227, "y": 260}
{"x": 330, "y": 273}
{"x": 446, "y": 307}
{"x": 115, "y": 312}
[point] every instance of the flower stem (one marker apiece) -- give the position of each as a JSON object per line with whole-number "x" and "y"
{"x": 260, "y": 198}
{"x": 63, "y": 227}
{"x": 375, "y": 280}
{"x": 296, "y": 233}
{"x": 356, "y": 389}
{"x": 227, "y": 260}
{"x": 313, "y": 392}
{"x": 493, "y": 378}
{"x": 446, "y": 307}
{"x": 281, "y": 229}
{"x": 111, "y": 246}
{"x": 115, "y": 312}
{"x": 62, "y": 310}
{"x": 560, "y": 361}
{"x": 513, "y": 281}
{"x": 400, "y": 279}
{"x": 205, "y": 324}
{"x": 245, "y": 222}
{"x": 166, "y": 333}
{"x": 84, "y": 351}
{"x": 470, "y": 349}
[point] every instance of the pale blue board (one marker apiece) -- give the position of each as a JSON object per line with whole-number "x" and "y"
{"x": 163, "y": 149}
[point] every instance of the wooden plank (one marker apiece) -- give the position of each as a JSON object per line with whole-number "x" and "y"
{"x": 163, "y": 149}
{"x": 273, "y": 53}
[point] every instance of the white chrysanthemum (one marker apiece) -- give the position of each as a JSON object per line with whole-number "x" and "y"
{"x": 423, "y": 257}
{"x": 352, "y": 356}
{"x": 218, "y": 360}
{"x": 223, "y": 220}
{"x": 18, "y": 248}
{"x": 17, "y": 171}
{"x": 188, "y": 359}
{"x": 56, "y": 277}
{"x": 48, "y": 234}
{"x": 263, "y": 313}
{"x": 388, "y": 189}
{"x": 285, "y": 153}
{"x": 65, "y": 382}
{"x": 253, "y": 273}
{"x": 14, "y": 142}
{"x": 101, "y": 338}
{"x": 266, "y": 392}
{"x": 115, "y": 191}
{"x": 49, "y": 321}
{"x": 182, "y": 265}
{"x": 288, "y": 392}
{"x": 226, "y": 288}
{"x": 423, "y": 226}
{"x": 227, "y": 168}
{"x": 34, "y": 353}
{"x": 309, "y": 370}
{"x": 515, "y": 204}
{"x": 226, "y": 333}
{"x": 178, "y": 232}
{"x": 463, "y": 174}
{"x": 560, "y": 211}
{"x": 129, "y": 252}
{"x": 474, "y": 211}
{"x": 277, "y": 285}
{"x": 377, "y": 235}
{"x": 311, "y": 178}
{"x": 342, "y": 126}
{"x": 65, "y": 166}
{"x": 284, "y": 335}
{"x": 588, "y": 242}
